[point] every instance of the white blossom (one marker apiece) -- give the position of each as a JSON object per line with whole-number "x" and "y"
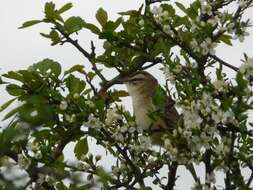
{"x": 34, "y": 146}
{"x": 220, "y": 116}
{"x": 192, "y": 119}
{"x": 157, "y": 10}
{"x": 71, "y": 118}
{"x": 132, "y": 129}
{"x": 167, "y": 29}
{"x": 213, "y": 21}
{"x": 230, "y": 27}
{"x": 118, "y": 137}
{"x": 34, "y": 113}
{"x": 76, "y": 95}
{"x": 247, "y": 67}
{"x": 241, "y": 35}
{"x": 206, "y": 9}
{"x": 141, "y": 22}
{"x": 83, "y": 166}
{"x": 195, "y": 45}
{"x": 93, "y": 122}
{"x": 38, "y": 155}
{"x": 90, "y": 103}
{"x": 63, "y": 105}
{"x": 168, "y": 74}
{"x": 220, "y": 85}
{"x": 41, "y": 178}
{"x": 208, "y": 46}
{"x": 23, "y": 162}
{"x": 243, "y": 3}
{"x": 112, "y": 116}
{"x": 123, "y": 129}
{"x": 177, "y": 69}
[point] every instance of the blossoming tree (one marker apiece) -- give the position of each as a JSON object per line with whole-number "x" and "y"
{"x": 56, "y": 108}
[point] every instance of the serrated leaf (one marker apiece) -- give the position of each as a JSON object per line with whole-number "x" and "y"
{"x": 73, "y": 24}
{"x": 14, "y": 75}
{"x": 94, "y": 29}
{"x": 30, "y": 23}
{"x": 54, "y": 36}
{"x": 75, "y": 85}
{"x": 49, "y": 10}
{"x": 14, "y": 90}
{"x": 6, "y": 104}
{"x": 112, "y": 26}
{"x": 102, "y": 16}
{"x": 81, "y": 148}
{"x": 65, "y": 8}
{"x": 47, "y": 66}
{"x": 75, "y": 68}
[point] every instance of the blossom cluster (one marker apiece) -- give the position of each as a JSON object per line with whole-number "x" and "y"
{"x": 247, "y": 68}
{"x": 201, "y": 119}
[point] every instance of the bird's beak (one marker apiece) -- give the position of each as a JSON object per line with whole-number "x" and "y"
{"x": 124, "y": 80}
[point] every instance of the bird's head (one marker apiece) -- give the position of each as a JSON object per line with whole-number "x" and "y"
{"x": 140, "y": 83}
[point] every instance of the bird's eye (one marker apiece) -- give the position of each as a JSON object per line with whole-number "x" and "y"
{"x": 135, "y": 82}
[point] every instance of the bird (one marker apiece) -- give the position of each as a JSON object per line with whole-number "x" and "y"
{"x": 142, "y": 86}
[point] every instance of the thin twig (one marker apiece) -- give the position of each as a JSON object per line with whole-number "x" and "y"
{"x": 89, "y": 56}
{"x": 223, "y": 62}
{"x": 250, "y": 178}
{"x": 90, "y": 82}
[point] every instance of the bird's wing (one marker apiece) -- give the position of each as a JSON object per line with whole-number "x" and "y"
{"x": 170, "y": 116}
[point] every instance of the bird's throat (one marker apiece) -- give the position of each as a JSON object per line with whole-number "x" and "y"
{"x": 142, "y": 106}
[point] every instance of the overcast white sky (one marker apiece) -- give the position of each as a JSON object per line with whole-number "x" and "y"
{"x": 21, "y": 48}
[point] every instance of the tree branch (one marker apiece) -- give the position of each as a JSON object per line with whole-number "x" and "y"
{"x": 172, "y": 176}
{"x": 223, "y": 62}
{"x": 89, "y": 56}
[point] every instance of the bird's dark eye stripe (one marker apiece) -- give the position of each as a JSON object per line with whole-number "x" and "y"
{"x": 135, "y": 79}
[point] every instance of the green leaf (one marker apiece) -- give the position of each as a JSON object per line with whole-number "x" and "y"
{"x": 102, "y": 16}
{"x": 14, "y": 75}
{"x": 104, "y": 176}
{"x": 61, "y": 186}
{"x": 30, "y": 23}
{"x": 81, "y": 148}
{"x": 94, "y": 29}
{"x": 54, "y": 35}
{"x": 182, "y": 7}
{"x": 36, "y": 114}
{"x": 73, "y": 24}
{"x": 169, "y": 8}
{"x": 65, "y": 8}
{"x": 74, "y": 84}
{"x": 112, "y": 26}
{"x": 10, "y": 114}
{"x": 75, "y": 68}
{"x": 6, "y": 104}
{"x": 49, "y": 10}
{"x": 118, "y": 94}
{"x": 160, "y": 97}
{"x": 242, "y": 83}
{"x": 14, "y": 90}
{"x": 46, "y": 67}
{"x": 226, "y": 39}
